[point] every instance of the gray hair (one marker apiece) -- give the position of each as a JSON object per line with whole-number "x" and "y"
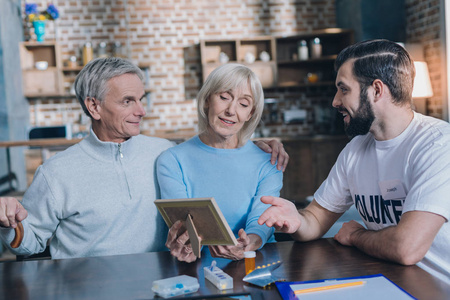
{"x": 91, "y": 82}
{"x": 225, "y": 78}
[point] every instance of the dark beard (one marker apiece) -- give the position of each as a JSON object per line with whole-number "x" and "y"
{"x": 363, "y": 119}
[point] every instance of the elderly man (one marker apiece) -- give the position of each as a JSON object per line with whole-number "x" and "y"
{"x": 96, "y": 197}
{"x": 396, "y": 169}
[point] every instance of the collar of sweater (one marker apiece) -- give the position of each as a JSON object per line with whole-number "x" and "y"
{"x": 107, "y": 151}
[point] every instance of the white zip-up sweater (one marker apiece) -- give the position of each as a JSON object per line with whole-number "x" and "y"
{"x": 95, "y": 198}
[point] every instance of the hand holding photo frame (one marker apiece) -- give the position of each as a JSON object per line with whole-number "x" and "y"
{"x": 205, "y": 222}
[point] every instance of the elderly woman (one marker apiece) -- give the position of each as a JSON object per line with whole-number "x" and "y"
{"x": 223, "y": 163}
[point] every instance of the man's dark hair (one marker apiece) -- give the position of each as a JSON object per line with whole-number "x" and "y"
{"x": 383, "y": 60}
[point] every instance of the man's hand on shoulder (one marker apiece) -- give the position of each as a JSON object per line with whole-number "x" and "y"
{"x": 279, "y": 155}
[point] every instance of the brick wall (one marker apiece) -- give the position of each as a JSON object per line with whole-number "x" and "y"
{"x": 164, "y": 35}
{"x": 424, "y": 27}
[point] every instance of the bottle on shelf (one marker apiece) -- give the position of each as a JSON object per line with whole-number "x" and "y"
{"x": 316, "y": 48}
{"x": 101, "y": 50}
{"x": 302, "y": 50}
{"x": 72, "y": 63}
{"x": 88, "y": 53}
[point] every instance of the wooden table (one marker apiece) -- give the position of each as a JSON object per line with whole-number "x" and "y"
{"x": 131, "y": 276}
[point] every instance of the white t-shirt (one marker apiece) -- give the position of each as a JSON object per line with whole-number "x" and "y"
{"x": 387, "y": 178}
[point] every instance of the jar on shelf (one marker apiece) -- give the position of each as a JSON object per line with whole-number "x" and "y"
{"x": 72, "y": 63}
{"x": 88, "y": 53}
{"x": 101, "y": 50}
{"x": 316, "y": 48}
{"x": 302, "y": 48}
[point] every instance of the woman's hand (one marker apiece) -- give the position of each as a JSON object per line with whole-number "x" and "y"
{"x": 245, "y": 243}
{"x": 179, "y": 244}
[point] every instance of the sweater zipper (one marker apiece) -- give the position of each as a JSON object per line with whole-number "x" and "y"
{"x": 124, "y": 174}
{"x": 120, "y": 151}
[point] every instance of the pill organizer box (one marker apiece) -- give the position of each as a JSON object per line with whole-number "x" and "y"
{"x": 175, "y": 286}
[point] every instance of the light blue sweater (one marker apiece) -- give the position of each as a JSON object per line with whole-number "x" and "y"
{"x": 236, "y": 178}
{"x": 95, "y": 201}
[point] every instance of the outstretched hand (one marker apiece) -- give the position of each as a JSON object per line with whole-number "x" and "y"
{"x": 282, "y": 215}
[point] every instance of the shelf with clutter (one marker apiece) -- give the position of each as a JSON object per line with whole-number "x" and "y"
{"x": 301, "y": 60}
{"x": 258, "y": 53}
{"x": 45, "y": 75}
{"x": 308, "y": 59}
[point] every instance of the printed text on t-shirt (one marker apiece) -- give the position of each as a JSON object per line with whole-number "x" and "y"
{"x": 379, "y": 211}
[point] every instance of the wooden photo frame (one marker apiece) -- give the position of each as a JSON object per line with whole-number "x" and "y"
{"x": 203, "y": 219}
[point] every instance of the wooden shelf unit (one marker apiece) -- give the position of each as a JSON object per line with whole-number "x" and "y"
{"x": 41, "y": 82}
{"x": 56, "y": 81}
{"x": 282, "y": 70}
{"x": 236, "y": 50}
{"x": 294, "y": 72}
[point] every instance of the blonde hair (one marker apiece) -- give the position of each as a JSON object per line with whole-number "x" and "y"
{"x": 225, "y": 78}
